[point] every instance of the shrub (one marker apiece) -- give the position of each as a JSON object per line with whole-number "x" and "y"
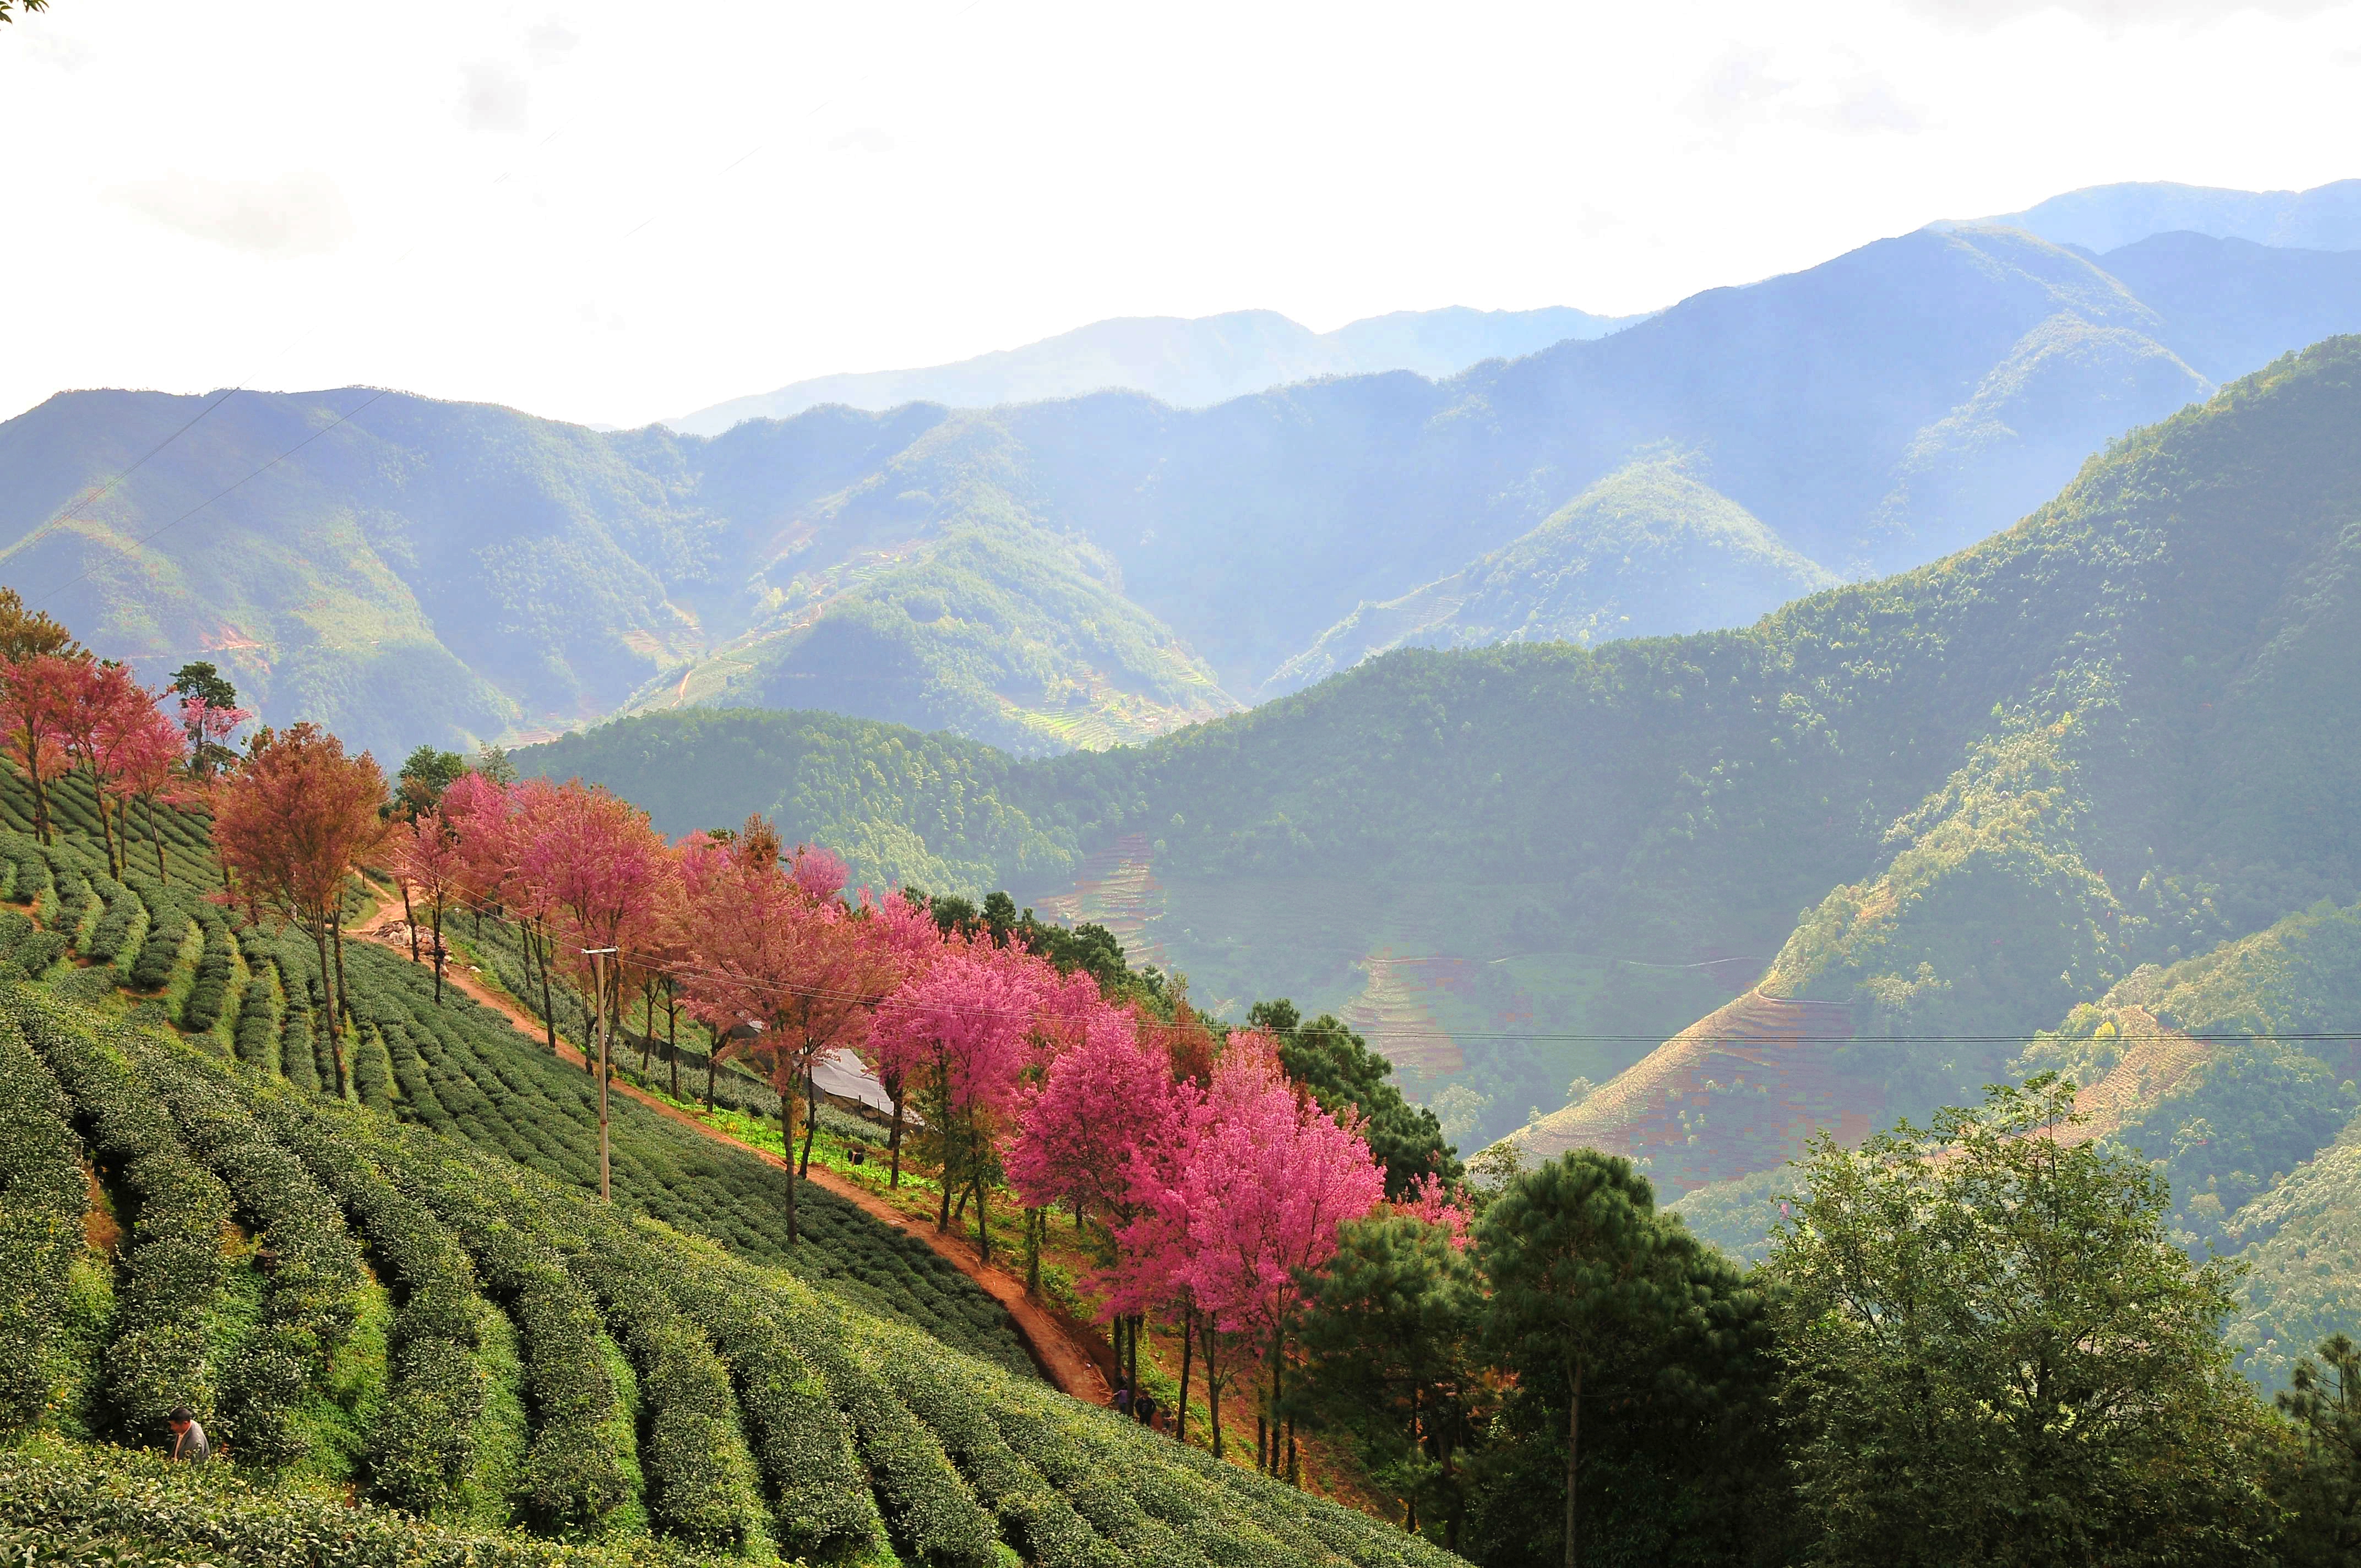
{"x": 315, "y": 1270}
{"x": 108, "y": 1496}
{"x": 43, "y": 1194}
{"x": 172, "y": 1274}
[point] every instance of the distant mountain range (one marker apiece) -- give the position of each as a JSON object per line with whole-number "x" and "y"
{"x": 2107, "y": 217}
{"x": 2085, "y": 795}
{"x": 1186, "y": 362}
{"x": 1091, "y": 570}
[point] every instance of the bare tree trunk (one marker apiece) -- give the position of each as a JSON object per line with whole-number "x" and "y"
{"x": 328, "y": 1001}
{"x": 1188, "y": 1352}
{"x": 712, "y": 1060}
{"x": 599, "y": 1029}
{"x": 1573, "y": 1452}
{"x": 811, "y": 1121}
{"x": 1212, "y": 1384}
{"x": 439, "y": 952}
{"x": 787, "y": 1143}
{"x": 672, "y": 1035}
{"x": 893, "y": 1144}
{"x": 409, "y": 917}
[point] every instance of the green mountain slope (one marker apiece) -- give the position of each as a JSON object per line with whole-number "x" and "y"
{"x": 1104, "y": 568}
{"x": 2024, "y": 770}
{"x": 1644, "y": 551}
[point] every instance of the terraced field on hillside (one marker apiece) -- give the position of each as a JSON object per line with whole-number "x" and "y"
{"x": 1740, "y": 1091}
{"x": 457, "y": 1339}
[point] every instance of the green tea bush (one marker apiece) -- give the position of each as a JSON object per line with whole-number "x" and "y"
{"x": 217, "y": 971}
{"x": 803, "y": 1442}
{"x": 424, "y": 1451}
{"x": 934, "y": 1517}
{"x": 113, "y": 1495}
{"x": 256, "y": 1033}
{"x": 314, "y": 1268}
{"x": 173, "y": 1273}
{"x": 580, "y": 1468}
{"x": 122, "y": 924}
{"x": 43, "y": 1194}
{"x": 701, "y": 1483}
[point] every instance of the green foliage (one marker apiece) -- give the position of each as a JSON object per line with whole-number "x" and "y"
{"x": 1392, "y": 1358}
{"x": 1642, "y": 1365}
{"x": 171, "y": 1296}
{"x": 107, "y": 1495}
{"x": 43, "y": 1194}
{"x": 1996, "y": 1352}
{"x": 1341, "y": 1071}
{"x": 2322, "y": 1487}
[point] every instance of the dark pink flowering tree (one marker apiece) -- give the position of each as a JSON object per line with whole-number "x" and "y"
{"x": 140, "y": 747}
{"x": 1265, "y": 1179}
{"x": 960, "y": 1034}
{"x": 778, "y": 975}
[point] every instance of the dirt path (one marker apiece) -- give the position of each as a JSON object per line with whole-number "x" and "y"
{"x": 1065, "y": 1359}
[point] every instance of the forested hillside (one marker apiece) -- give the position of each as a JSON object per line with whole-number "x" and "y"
{"x": 1993, "y": 786}
{"x": 1106, "y": 568}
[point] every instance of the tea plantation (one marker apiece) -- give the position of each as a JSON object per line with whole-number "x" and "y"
{"x": 489, "y": 1361}
{"x": 457, "y": 1067}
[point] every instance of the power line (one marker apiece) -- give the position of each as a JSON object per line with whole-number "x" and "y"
{"x": 657, "y": 964}
{"x": 134, "y": 546}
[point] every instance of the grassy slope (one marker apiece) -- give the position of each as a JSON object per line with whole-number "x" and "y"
{"x": 1646, "y": 550}
{"x": 1994, "y": 784}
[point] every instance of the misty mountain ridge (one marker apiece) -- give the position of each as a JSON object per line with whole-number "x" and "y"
{"x": 1186, "y": 362}
{"x": 2107, "y": 217}
{"x": 1102, "y": 569}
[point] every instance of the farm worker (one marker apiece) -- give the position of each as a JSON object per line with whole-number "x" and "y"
{"x": 188, "y": 1442}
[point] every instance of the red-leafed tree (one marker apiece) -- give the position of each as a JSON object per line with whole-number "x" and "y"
{"x": 433, "y": 873}
{"x": 102, "y": 700}
{"x": 141, "y": 746}
{"x": 780, "y": 976}
{"x": 292, "y": 825}
{"x": 604, "y": 879}
{"x": 36, "y": 703}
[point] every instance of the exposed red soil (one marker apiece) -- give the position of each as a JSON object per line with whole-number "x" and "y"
{"x": 1740, "y": 1090}
{"x": 1058, "y": 1347}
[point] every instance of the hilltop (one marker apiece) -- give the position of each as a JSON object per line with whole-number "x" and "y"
{"x": 1186, "y": 362}
{"x": 1993, "y": 785}
{"x": 1106, "y": 568}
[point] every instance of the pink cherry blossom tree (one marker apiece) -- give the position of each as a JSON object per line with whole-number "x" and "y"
{"x": 905, "y": 927}
{"x": 1265, "y": 1179}
{"x": 427, "y": 858}
{"x": 778, "y": 975}
{"x": 140, "y": 747}
{"x": 960, "y": 1034}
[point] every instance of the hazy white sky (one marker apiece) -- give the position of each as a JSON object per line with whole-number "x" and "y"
{"x": 617, "y": 212}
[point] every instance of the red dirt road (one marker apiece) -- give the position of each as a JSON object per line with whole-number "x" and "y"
{"x": 1064, "y": 1359}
